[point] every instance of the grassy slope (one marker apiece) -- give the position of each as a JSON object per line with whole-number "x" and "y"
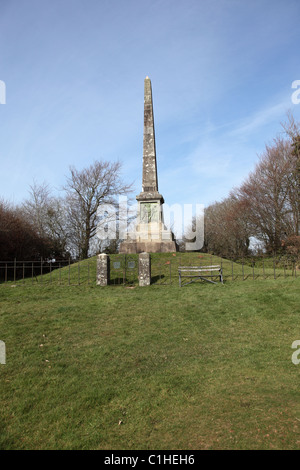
{"x": 202, "y": 367}
{"x": 164, "y": 269}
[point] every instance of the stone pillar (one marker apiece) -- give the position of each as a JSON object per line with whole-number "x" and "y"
{"x": 103, "y": 270}
{"x": 144, "y": 269}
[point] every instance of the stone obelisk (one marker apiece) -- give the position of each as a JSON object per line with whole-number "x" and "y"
{"x": 150, "y": 180}
{"x": 150, "y": 234}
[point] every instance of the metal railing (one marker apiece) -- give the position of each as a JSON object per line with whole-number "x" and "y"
{"x": 61, "y": 272}
{"x": 124, "y": 269}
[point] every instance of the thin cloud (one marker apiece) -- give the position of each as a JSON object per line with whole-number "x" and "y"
{"x": 260, "y": 119}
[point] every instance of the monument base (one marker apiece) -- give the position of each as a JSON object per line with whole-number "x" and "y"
{"x": 159, "y": 246}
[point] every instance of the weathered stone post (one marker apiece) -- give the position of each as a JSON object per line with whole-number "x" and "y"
{"x": 144, "y": 269}
{"x": 103, "y": 271}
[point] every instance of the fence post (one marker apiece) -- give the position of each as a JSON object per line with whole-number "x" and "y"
{"x": 103, "y": 270}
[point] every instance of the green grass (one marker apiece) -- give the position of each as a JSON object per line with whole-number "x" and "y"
{"x": 201, "y": 367}
{"x": 164, "y": 269}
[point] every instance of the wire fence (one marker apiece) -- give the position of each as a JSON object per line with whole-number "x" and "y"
{"x": 60, "y": 272}
{"x": 124, "y": 269}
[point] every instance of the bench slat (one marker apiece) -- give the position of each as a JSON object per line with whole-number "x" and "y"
{"x": 199, "y": 268}
{"x": 199, "y": 272}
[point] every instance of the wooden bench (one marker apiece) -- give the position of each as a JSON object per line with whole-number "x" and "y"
{"x": 200, "y": 272}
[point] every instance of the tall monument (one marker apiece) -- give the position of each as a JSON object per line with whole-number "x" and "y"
{"x": 150, "y": 234}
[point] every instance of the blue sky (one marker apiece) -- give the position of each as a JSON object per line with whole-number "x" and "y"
{"x": 221, "y": 73}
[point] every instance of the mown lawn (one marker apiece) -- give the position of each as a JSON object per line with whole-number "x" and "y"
{"x": 201, "y": 367}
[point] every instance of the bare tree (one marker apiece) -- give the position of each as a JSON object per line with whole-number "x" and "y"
{"x": 18, "y": 238}
{"x": 87, "y": 190}
{"x": 226, "y": 228}
{"x": 47, "y": 215}
{"x": 268, "y": 194}
{"x": 35, "y": 207}
{"x": 292, "y": 131}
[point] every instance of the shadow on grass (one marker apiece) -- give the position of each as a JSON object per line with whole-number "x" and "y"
{"x": 157, "y": 279}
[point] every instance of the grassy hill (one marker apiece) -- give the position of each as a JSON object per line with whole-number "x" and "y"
{"x": 159, "y": 367}
{"x": 124, "y": 269}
